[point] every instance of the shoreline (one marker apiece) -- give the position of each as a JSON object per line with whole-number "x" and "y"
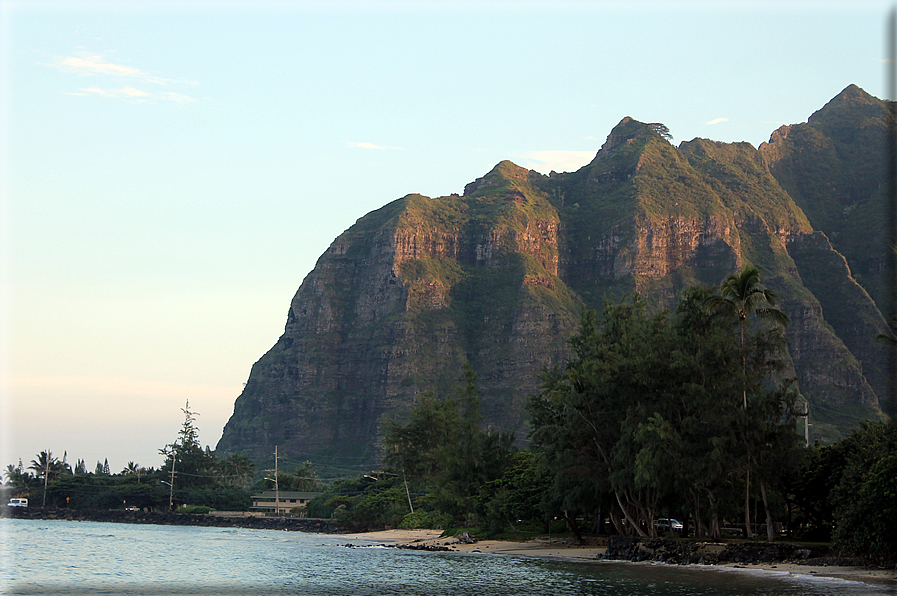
{"x": 540, "y": 548}
{"x": 433, "y": 540}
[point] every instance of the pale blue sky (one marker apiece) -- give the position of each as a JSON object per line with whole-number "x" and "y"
{"x": 169, "y": 175}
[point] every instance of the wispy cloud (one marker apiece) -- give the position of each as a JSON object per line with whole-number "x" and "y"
{"x": 717, "y": 121}
{"x": 86, "y": 64}
{"x": 127, "y": 91}
{"x": 97, "y": 65}
{"x": 559, "y": 161}
{"x": 372, "y": 146}
{"x": 133, "y": 94}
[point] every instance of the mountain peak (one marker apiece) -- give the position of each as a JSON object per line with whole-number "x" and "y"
{"x": 852, "y": 97}
{"x": 628, "y": 132}
{"x": 504, "y": 171}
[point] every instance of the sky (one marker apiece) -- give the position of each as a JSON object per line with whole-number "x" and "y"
{"x": 171, "y": 171}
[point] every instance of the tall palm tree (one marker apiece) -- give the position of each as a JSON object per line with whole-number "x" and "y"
{"x": 18, "y": 477}
{"x": 47, "y": 466}
{"x": 741, "y": 293}
{"x": 236, "y": 470}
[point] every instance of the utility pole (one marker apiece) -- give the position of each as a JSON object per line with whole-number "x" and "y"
{"x": 407, "y": 492}
{"x": 46, "y": 476}
{"x": 174, "y": 459}
{"x": 276, "y": 485}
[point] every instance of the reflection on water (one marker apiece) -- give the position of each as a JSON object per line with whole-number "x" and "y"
{"x": 52, "y": 557}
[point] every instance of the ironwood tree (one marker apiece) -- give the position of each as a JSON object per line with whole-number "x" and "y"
{"x": 648, "y": 410}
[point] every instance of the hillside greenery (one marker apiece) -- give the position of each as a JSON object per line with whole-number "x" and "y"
{"x": 646, "y": 420}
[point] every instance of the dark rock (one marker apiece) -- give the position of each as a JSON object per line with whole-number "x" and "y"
{"x": 703, "y": 553}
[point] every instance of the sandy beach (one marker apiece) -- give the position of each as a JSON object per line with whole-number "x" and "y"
{"x": 559, "y": 549}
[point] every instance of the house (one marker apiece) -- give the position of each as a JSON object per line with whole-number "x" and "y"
{"x": 270, "y": 502}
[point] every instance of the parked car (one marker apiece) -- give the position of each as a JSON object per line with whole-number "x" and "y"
{"x": 666, "y": 525}
{"x": 17, "y": 503}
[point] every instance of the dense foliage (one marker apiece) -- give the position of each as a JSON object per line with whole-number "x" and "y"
{"x": 659, "y": 412}
{"x": 435, "y": 464}
{"x": 848, "y": 492}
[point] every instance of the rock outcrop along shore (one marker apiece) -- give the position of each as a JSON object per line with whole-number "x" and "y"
{"x": 677, "y": 552}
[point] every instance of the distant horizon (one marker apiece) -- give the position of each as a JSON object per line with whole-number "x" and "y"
{"x": 174, "y": 173}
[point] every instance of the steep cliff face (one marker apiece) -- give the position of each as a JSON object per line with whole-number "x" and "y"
{"x": 833, "y": 166}
{"x": 393, "y": 309}
{"x": 696, "y": 213}
{"x": 498, "y": 277}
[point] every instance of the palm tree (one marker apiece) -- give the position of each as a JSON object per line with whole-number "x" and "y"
{"x": 47, "y": 466}
{"x": 236, "y": 470}
{"x": 17, "y": 476}
{"x": 133, "y": 469}
{"x": 741, "y": 293}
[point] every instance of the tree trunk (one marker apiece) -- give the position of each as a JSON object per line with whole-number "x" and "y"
{"x": 647, "y": 511}
{"x": 770, "y": 535}
{"x": 700, "y": 529}
{"x": 598, "y": 526}
{"x": 715, "y": 533}
{"x": 649, "y": 522}
{"x": 747, "y": 506}
{"x": 574, "y": 529}
{"x": 632, "y": 522}
{"x": 616, "y": 521}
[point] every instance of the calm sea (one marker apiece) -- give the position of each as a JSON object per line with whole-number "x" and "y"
{"x": 62, "y": 557}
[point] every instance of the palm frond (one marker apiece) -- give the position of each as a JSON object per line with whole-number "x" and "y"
{"x": 773, "y": 314}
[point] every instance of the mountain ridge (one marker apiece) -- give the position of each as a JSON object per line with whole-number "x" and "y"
{"x": 498, "y": 277}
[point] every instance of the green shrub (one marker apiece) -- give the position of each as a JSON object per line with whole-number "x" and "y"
{"x": 429, "y": 520}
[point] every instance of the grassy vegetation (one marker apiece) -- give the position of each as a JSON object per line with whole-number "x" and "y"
{"x": 737, "y": 176}
{"x": 831, "y": 423}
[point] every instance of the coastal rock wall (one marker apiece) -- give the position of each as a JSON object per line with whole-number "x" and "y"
{"x": 678, "y": 552}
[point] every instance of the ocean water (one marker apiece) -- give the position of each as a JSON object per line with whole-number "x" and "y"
{"x": 63, "y": 557}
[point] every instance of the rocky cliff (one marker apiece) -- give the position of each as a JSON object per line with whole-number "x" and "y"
{"x": 499, "y": 276}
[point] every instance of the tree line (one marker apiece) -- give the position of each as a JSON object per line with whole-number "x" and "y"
{"x": 691, "y": 414}
{"x": 189, "y": 475}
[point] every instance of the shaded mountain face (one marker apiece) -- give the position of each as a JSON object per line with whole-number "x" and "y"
{"x": 500, "y": 275}
{"x": 833, "y": 166}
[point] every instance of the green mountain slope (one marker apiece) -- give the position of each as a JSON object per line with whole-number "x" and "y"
{"x": 499, "y": 277}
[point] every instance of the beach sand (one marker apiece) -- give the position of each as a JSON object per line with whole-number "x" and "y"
{"x": 560, "y": 549}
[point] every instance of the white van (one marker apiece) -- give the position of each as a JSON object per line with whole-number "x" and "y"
{"x": 17, "y": 503}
